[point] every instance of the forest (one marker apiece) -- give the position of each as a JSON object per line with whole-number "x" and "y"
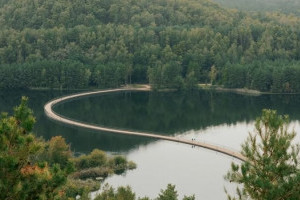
{"x": 167, "y": 43}
{"x": 287, "y": 6}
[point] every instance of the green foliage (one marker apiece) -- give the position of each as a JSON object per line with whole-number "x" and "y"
{"x": 46, "y": 73}
{"x": 262, "y": 79}
{"x": 168, "y": 194}
{"x": 96, "y": 158}
{"x": 125, "y": 193}
{"x": 189, "y": 197}
{"x": 212, "y": 74}
{"x": 94, "y": 173}
{"x": 291, "y": 6}
{"x": 98, "y": 164}
{"x": 278, "y": 76}
{"x": 34, "y": 169}
{"x": 21, "y": 177}
{"x": 170, "y": 44}
{"x": 24, "y": 116}
{"x": 271, "y": 170}
{"x": 75, "y": 187}
{"x": 56, "y": 151}
{"x": 122, "y": 193}
{"x": 235, "y": 76}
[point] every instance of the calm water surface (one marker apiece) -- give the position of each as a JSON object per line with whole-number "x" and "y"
{"x": 219, "y": 118}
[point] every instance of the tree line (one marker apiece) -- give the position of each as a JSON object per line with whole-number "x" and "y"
{"x": 291, "y": 6}
{"x": 279, "y": 77}
{"x": 167, "y": 43}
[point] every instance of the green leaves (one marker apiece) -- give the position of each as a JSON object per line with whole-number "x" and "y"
{"x": 22, "y": 175}
{"x": 168, "y": 194}
{"x": 125, "y": 193}
{"x": 24, "y": 115}
{"x": 63, "y": 45}
{"x": 272, "y": 169}
{"x": 122, "y": 193}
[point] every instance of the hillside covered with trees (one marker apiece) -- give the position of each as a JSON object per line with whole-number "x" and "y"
{"x": 285, "y": 6}
{"x": 168, "y": 43}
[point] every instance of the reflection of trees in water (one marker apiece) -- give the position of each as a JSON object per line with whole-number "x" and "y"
{"x": 165, "y": 112}
{"x": 80, "y": 139}
{"x": 170, "y": 112}
{"x": 83, "y": 140}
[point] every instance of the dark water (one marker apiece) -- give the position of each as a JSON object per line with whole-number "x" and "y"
{"x": 166, "y": 113}
{"x": 81, "y": 140}
{"x": 172, "y": 112}
{"x": 221, "y": 118}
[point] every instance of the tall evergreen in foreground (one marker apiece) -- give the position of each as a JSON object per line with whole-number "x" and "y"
{"x": 21, "y": 176}
{"x": 272, "y": 169}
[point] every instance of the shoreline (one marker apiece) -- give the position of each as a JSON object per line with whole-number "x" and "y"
{"x": 56, "y": 117}
{"x": 218, "y": 88}
{"x": 244, "y": 91}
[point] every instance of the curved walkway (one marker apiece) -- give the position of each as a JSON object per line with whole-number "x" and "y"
{"x": 52, "y": 115}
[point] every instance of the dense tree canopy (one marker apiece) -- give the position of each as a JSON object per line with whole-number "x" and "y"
{"x": 290, "y": 6}
{"x": 170, "y": 43}
{"x": 280, "y": 76}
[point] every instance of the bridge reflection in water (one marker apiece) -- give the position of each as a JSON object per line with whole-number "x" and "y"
{"x": 52, "y": 115}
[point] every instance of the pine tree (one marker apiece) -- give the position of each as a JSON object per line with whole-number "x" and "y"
{"x": 20, "y": 176}
{"x": 272, "y": 168}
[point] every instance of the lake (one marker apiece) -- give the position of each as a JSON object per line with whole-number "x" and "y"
{"x": 215, "y": 117}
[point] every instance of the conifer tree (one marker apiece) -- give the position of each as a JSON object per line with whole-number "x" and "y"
{"x": 272, "y": 169}
{"x": 21, "y": 177}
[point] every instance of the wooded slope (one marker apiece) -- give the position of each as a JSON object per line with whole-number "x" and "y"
{"x": 169, "y": 43}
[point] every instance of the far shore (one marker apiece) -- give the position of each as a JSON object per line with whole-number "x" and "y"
{"x": 201, "y": 86}
{"x": 240, "y": 91}
{"x": 60, "y": 89}
{"x": 244, "y": 91}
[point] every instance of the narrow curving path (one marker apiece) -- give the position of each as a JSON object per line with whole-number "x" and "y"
{"x": 52, "y": 115}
